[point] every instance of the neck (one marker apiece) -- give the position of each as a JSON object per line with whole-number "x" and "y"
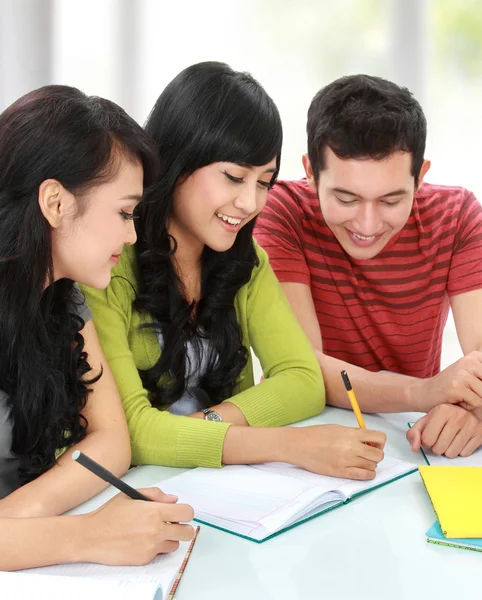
{"x": 187, "y": 263}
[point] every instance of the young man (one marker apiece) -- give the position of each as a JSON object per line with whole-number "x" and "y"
{"x": 371, "y": 258}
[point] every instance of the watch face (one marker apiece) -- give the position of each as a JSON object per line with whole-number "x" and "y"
{"x": 213, "y": 416}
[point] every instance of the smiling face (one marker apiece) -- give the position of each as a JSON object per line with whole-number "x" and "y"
{"x": 365, "y": 202}
{"x": 215, "y": 202}
{"x": 86, "y": 245}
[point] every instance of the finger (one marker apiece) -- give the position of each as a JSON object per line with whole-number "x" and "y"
{"x": 433, "y": 428}
{"x": 414, "y": 434}
{"x": 167, "y": 546}
{"x": 459, "y": 442}
{"x": 158, "y": 495}
{"x": 365, "y": 464}
{"x": 463, "y": 391}
{"x": 472, "y": 445}
{"x": 176, "y": 513}
{"x": 371, "y": 453}
{"x": 359, "y": 474}
{"x": 372, "y": 437}
{"x": 179, "y": 533}
{"x": 446, "y": 437}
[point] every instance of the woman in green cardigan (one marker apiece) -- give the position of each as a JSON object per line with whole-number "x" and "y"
{"x": 186, "y": 305}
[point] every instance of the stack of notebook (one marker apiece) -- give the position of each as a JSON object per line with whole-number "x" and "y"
{"x": 456, "y": 496}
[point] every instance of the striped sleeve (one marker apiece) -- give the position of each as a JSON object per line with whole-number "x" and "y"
{"x": 465, "y": 274}
{"x": 278, "y": 232}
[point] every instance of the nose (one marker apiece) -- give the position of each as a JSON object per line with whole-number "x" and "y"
{"x": 246, "y": 200}
{"x": 131, "y": 236}
{"x": 368, "y": 219}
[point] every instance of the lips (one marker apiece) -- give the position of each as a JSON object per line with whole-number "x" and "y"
{"x": 363, "y": 240}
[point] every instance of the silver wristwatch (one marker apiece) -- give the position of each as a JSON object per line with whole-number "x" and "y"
{"x": 211, "y": 415}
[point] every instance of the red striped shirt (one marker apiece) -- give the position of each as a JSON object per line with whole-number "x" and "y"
{"x": 388, "y": 312}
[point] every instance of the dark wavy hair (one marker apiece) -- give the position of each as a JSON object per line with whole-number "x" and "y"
{"x": 208, "y": 113}
{"x": 55, "y": 132}
{"x": 361, "y": 116}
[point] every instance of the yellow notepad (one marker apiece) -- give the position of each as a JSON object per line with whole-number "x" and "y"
{"x": 456, "y": 495}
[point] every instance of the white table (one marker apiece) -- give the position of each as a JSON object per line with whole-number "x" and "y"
{"x": 373, "y": 547}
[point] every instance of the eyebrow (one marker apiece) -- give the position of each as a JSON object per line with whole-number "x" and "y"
{"x": 251, "y": 167}
{"x": 135, "y": 197}
{"x": 398, "y": 192}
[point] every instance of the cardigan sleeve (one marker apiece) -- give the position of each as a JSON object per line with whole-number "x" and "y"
{"x": 292, "y": 388}
{"x": 157, "y": 437}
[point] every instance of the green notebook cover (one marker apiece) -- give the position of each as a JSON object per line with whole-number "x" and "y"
{"x": 309, "y": 518}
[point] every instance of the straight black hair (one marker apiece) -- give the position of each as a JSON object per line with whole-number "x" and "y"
{"x": 362, "y": 116}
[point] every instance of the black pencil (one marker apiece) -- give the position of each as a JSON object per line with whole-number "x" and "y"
{"x": 106, "y": 475}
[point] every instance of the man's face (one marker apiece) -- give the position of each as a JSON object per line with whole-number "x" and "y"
{"x": 365, "y": 202}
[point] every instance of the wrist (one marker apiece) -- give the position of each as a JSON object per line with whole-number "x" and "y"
{"x": 417, "y": 393}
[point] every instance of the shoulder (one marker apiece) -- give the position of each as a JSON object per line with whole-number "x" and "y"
{"x": 263, "y": 268}
{"x": 79, "y": 304}
{"x": 446, "y": 200}
{"x": 292, "y": 196}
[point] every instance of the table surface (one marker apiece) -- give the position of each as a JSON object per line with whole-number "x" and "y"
{"x": 373, "y": 547}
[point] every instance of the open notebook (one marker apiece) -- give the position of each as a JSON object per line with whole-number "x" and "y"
{"x": 259, "y": 501}
{"x": 435, "y": 536}
{"x": 80, "y": 581}
{"x": 474, "y": 460}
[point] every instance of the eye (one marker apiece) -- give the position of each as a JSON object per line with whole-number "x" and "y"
{"x": 345, "y": 202}
{"x": 265, "y": 184}
{"x": 390, "y": 203}
{"x": 233, "y": 178}
{"x": 128, "y": 216}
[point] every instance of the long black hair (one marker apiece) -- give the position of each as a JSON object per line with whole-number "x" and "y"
{"x": 208, "y": 113}
{"x": 55, "y": 132}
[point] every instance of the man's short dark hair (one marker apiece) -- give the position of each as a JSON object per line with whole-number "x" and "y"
{"x": 361, "y": 116}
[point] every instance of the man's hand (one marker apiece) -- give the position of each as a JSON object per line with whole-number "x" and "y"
{"x": 460, "y": 383}
{"x": 447, "y": 429}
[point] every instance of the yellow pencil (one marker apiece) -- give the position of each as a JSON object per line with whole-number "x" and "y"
{"x": 353, "y": 400}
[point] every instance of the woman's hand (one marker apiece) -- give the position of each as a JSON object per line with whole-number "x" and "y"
{"x": 132, "y": 532}
{"x": 336, "y": 450}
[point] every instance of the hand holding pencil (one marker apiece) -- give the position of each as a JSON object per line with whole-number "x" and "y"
{"x": 135, "y": 526}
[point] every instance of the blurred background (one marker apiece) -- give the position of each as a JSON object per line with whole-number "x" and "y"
{"x": 128, "y": 50}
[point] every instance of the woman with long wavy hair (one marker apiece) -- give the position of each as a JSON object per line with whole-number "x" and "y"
{"x": 72, "y": 170}
{"x": 196, "y": 294}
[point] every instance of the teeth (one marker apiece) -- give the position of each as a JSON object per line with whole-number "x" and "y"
{"x": 230, "y": 220}
{"x": 363, "y": 237}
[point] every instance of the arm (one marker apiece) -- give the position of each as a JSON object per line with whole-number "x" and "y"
{"x": 65, "y": 485}
{"x": 376, "y": 392}
{"x": 292, "y": 389}
{"x": 121, "y": 532}
{"x": 447, "y": 429}
{"x": 157, "y": 437}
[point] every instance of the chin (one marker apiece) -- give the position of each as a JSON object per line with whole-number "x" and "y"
{"x": 221, "y": 247}
{"x": 99, "y": 282}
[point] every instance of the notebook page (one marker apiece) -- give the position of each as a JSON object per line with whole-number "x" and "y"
{"x": 159, "y": 574}
{"x": 474, "y": 460}
{"x": 242, "y": 495}
{"x": 46, "y": 587}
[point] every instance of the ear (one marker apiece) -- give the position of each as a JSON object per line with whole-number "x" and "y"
{"x": 310, "y": 178}
{"x": 423, "y": 171}
{"x": 54, "y": 201}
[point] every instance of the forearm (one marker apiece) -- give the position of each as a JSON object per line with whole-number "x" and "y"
{"x": 67, "y": 484}
{"x": 375, "y": 392}
{"x": 27, "y": 543}
{"x": 229, "y": 412}
{"x": 256, "y": 445}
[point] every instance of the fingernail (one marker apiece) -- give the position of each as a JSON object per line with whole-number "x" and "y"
{"x": 172, "y": 496}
